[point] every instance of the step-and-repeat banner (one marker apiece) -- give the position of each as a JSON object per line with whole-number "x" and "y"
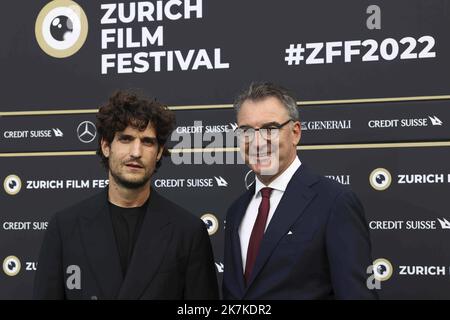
{"x": 371, "y": 78}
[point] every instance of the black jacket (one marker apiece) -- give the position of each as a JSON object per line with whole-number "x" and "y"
{"x": 172, "y": 258}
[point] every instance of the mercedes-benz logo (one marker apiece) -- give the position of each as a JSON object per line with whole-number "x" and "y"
{"x": 86, "y": 131}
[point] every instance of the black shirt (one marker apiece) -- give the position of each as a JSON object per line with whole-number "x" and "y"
{"x": 126, "y": 224}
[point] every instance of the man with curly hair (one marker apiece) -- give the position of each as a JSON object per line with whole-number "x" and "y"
{"x": 127, "y": 242}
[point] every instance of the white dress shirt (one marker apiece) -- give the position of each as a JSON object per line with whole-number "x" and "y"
{"x": 279, "y": 186}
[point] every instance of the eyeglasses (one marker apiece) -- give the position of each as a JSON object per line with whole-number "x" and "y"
{"x": 267, "y": 132}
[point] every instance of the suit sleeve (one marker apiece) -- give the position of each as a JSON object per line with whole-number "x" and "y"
{"x": 349, "y": 248}
{"x": 201, "y": 280}
{"x": 49, "y": 279}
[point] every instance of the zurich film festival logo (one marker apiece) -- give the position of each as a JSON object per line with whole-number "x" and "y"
{"x": 61, "y": 28}
{"x": 211, "y": 223}
{"x": 12, "y": 184}
{"x": 381, "y": 270}
{"x": 11, "y": 266}
{"x": 380, "y": 179}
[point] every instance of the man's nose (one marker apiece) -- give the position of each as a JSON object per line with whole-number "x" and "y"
{"x": 136, "y": 149}
{"x": 258, "y": 140}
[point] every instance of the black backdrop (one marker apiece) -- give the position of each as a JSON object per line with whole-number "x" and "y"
{"x": 45, "y": 100}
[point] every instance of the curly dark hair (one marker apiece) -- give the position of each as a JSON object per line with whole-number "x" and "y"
{"x": 126, "y": 108}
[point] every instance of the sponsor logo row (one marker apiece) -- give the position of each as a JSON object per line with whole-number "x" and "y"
{"x": 86, "y": 130}
{"x": 380, "y": 179}
{"x": 212, "y": 224}
{"x": 13, "y": 183}
{"x": 383, "y": 269}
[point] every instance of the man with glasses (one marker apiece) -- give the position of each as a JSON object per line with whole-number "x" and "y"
{"x": 293, "y": 234}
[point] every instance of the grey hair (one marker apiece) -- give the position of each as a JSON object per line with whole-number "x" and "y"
{"x": 262, "y": 90}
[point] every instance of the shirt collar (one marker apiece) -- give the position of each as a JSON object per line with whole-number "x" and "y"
{"x": 281, "y": 182}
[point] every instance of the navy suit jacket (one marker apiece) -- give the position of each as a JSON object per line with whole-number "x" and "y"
{"x": 316, "y": 246}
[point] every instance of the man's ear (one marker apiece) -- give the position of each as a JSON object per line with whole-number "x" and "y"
{"x": 297, "y": 129}
{"x": 105, "y": 148}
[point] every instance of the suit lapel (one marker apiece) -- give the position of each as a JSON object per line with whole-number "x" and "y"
{"x": 291, "y": 207}
{"x": 100, "y": 246}
{"x": 149, "y": 250}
